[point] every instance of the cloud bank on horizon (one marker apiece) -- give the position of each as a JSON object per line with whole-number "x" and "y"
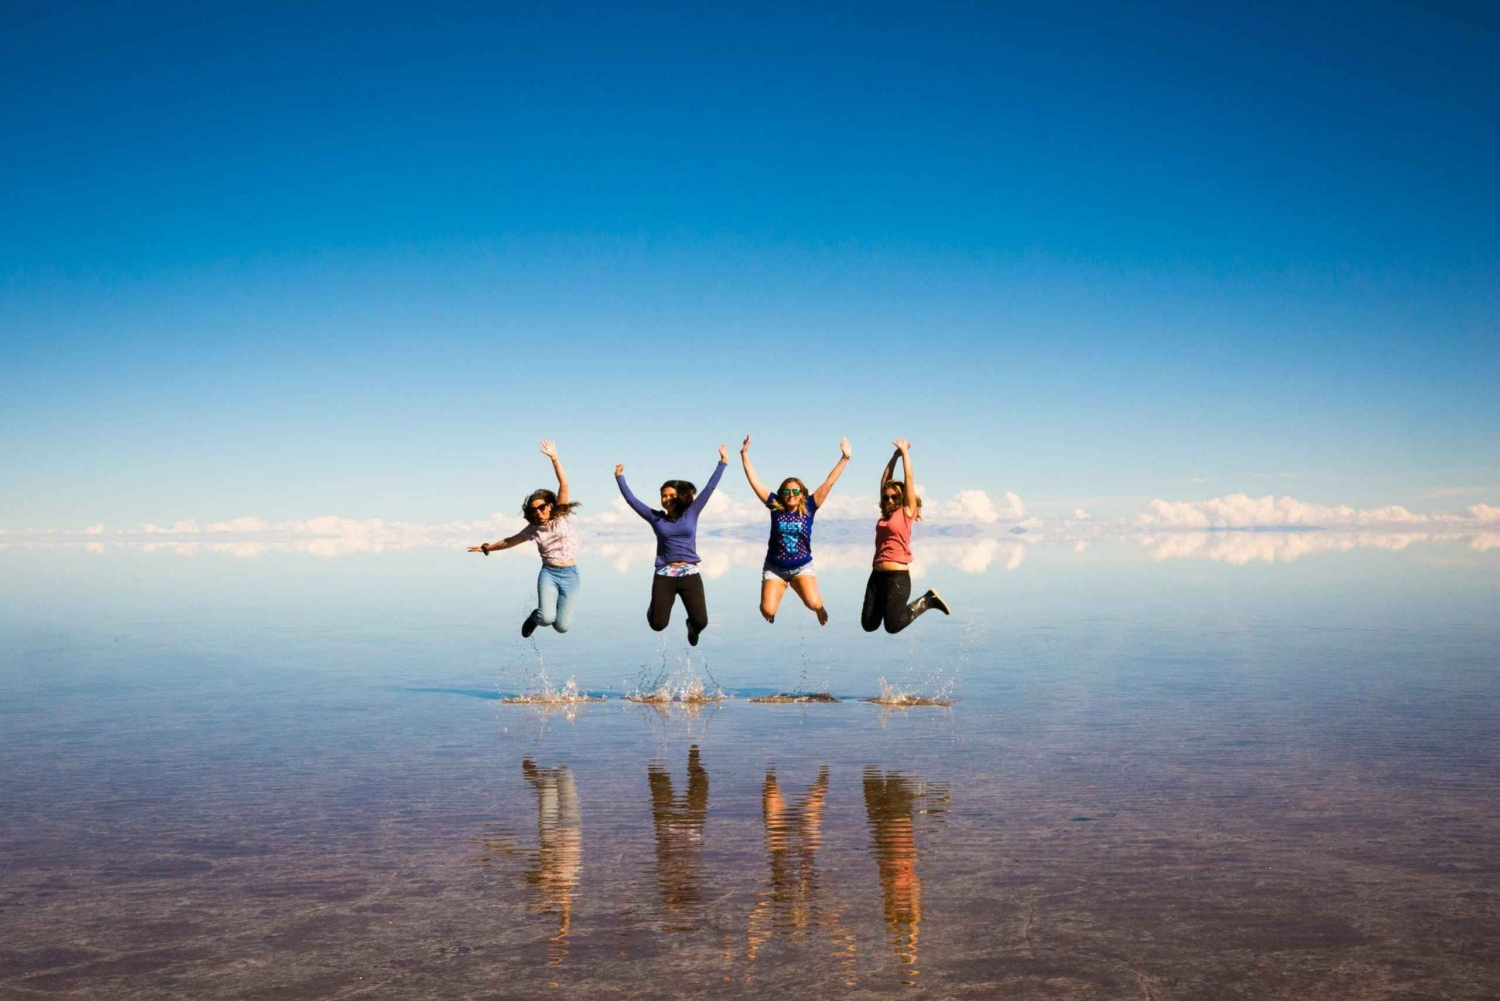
{"x": 970, "y": 532}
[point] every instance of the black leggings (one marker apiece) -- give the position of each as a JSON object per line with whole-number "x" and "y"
{"x": 886, "y": 600}
{"x": 665, "y": 589}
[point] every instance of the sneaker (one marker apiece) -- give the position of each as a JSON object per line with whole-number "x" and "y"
{"x": 529, "y": 626}
{"x": 935, "y": 600}
{"x": 692, "y": 635}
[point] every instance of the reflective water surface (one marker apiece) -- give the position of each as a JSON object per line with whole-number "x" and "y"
{"x": 296, "y": 778}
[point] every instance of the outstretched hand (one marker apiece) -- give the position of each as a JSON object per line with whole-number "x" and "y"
{"x": 902, "y": 445}
{"x": 619, "y": 469}
{"x": 723, "y": 453}
{"x": 844, "y": 447}
{"x": 549, "y": 449}
{"x": 485, "y": 549}
{"x": 745, "y": 445}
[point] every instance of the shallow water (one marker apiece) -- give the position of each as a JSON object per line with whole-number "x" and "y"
{"x": 288, "y": 777}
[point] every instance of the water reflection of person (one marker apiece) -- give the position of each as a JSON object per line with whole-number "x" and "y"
{"x": 679, "y": 823}
{"x": 559, "y": 858}
{"x": 889, "y": 805}
{"x": 794, "y": 833}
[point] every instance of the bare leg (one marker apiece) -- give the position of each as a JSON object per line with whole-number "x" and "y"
{"x": 770, "y": 598}
{"x": 806, "y": 587}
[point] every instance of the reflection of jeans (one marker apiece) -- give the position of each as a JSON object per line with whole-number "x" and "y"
{"x": 555, "y": 587}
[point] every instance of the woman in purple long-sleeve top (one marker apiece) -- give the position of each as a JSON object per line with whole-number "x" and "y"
{"x": 676, "y": 528}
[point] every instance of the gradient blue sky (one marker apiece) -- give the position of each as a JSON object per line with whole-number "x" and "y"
{"x": 356, "y": 260}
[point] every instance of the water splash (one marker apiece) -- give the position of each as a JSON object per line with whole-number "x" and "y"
{"x": 892, "y": 695}
{"x": 544, "y": 693}
{"x": 683, "y": 685}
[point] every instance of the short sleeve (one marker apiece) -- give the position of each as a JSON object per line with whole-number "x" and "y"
{"x": 812, "y": 506}
{"x": 769, "y": 500}
{"x": 529, "y": 532}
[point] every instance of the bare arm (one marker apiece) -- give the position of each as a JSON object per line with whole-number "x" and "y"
{"x": 494, "y": 547}
{"x": 890, "y": 467}
{"x": 550, "y": 451}
{"x": 755, "y": 483}
{"x": 903, "y": 448}
{"x": 821, "y": 494}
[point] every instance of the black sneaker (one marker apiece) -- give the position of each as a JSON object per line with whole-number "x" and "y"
{"x": 935, "y": 600}
{"x": 529, "y": 626}
{"x": 692, "y": 635}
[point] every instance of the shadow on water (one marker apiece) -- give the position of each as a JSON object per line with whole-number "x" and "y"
{"x": 679, "y": 822}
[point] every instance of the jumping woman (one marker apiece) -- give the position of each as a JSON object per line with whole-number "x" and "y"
{"x": 547, "y": 524}
{"x": 676, "y": 528}
{"x": 889, "y": 587}
{"x": 789, "y": 559}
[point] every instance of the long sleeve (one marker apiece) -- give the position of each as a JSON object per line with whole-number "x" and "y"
{"x": 634, "y": 502}
{"x": 708, "y": 491}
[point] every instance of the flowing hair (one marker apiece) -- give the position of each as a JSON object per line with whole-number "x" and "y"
{"x": 686, "y": 494}
{"x": 558, "y": 510}
{"x": 888, "y": 507}
{"x": 778, "y": 505}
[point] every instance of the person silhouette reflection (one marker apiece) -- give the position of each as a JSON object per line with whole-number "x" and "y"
{"x": 679, "y": 823}
{"x": 559, "y": 857}
{"x": 889, "y": 805}
{"x": 794, "y": 833}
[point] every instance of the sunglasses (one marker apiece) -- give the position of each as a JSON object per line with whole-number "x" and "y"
{"x": 540, "y": 507}
{"x": 790, "y": 491}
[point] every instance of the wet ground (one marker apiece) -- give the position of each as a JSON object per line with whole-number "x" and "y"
{"x": 1111, "y": 810}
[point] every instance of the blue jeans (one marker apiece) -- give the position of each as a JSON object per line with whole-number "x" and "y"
{"x": 555, "y": 587}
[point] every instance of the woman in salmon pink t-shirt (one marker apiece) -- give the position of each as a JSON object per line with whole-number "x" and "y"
{"x": 889, "y": 587}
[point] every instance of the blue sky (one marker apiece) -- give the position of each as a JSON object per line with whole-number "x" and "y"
{"x": 357, "y": 260}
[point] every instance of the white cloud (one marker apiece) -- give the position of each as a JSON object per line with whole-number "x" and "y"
{"x": 1485, "y": 514}
{"x": 1243, "y": 511}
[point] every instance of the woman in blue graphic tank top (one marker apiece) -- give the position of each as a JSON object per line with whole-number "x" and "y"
{"x": 789, "y": 560}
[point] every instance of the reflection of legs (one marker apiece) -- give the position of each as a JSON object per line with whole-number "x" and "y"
{"x": 898, "y": 614}
{"x": 663, "y": 592}
{"x": 806, "y": 586}
{"x": 546, "y": 597}
{"x": 869, "y": 616}
{"x": 770, "y": 598}
{"x": 691, "y": 588}
{"x": 566, "y": 582}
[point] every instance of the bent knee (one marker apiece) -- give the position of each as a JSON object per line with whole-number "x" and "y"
{"x": 869, "y": 626}
{"x": 655, "y": 625}
{"x": 561, "y": 627}
{"x": 893, "y": 627}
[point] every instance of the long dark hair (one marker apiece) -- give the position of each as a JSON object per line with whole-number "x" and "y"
{"x": 888, "y": 507}
{"x": 686, "y": 494}
{"x": 558, "y": 510}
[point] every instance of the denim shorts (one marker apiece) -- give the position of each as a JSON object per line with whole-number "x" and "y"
{"x": 771, "y": 571}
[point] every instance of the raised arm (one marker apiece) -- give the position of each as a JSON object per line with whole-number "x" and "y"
{"x": 903, "y": 448}
{"x": 890, "y": 467}
{"x": 755, "y": 483}
{"x": 550, "y": 451}
{"x": 713, "y": 481}
{"x": 494, "y": 547}
{"x": 630, "y": 498}
{"x": 821, "y": 494}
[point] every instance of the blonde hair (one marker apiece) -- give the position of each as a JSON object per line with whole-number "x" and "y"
{"x": 777, "y": 505}
{"x": 888, "y": 507}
